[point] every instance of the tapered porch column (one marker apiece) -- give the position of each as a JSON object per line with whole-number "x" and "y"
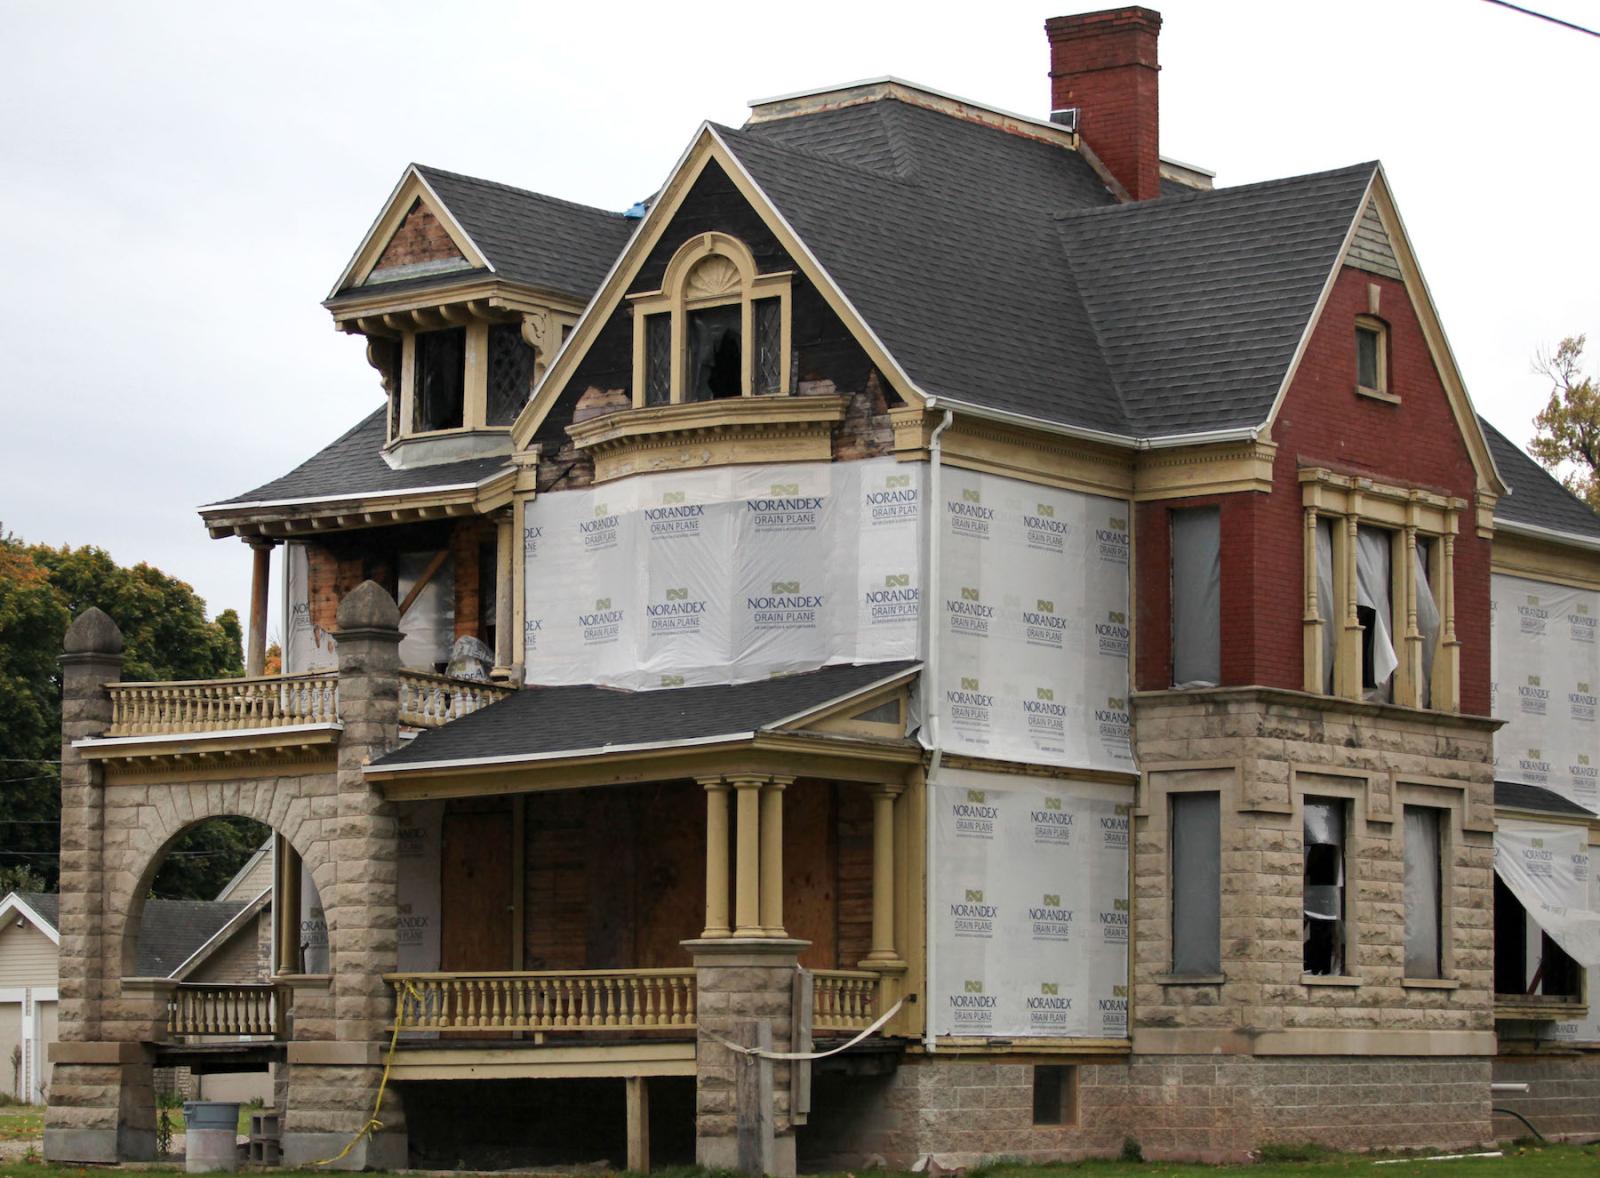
{"x": 747, "y": 858}
{"x": 504, "y": 611}
{"x": 772, "y": 856}
{"x": 716, "y": 857}
{"x": 255, "y": 659}
{"x": 883, "y": 930}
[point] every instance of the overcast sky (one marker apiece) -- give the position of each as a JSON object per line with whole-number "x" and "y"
{"x": 180, "y": 184}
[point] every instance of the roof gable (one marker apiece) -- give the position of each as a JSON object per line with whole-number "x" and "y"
{"x": 413, "y": 217}
{"x": 1536, "y": 501}
{"x": 419, "y": 245}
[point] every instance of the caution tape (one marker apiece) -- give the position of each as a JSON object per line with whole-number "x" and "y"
{"x": 741, "y": 1049}
{"x": 373, "y": 1124}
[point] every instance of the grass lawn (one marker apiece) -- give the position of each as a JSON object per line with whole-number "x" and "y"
{"x": 19, "y": 1122}
{"x": 1556, "y": 1161}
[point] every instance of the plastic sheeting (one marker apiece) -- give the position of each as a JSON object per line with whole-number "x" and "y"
{"x": 1423, "y": 911}
{"x": 1373, "y": 590}
{"x": 417, "y": 869}
{"x": 313, "y": 947}
{"x": 1323, "y": 924}
{"x": 1547, "y": 867}
{"x": 1196, "y": 883}
{"x": 1428, "y": 623}
{"x": 306, "y": 646}
{"x": 430, "y": 624}
{"x": 1031, "y": 911}
{"x": 1197, "y": 597}
{"x": 726, "y": 575}
{"x": 1330, "y": 624}
{"x": 1545, "y": 679}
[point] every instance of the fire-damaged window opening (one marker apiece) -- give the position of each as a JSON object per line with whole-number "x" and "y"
{"x": 1554, "y": 973}
{"x": 658, "y": 359}
{"x": 440, "y": 380}
{"x": 1196, "y": 884}
{"x": 1323, "y": 921}
{"x": 511, "y": 368}
{"x": 1375, "y": 613}
{"x": 1055, "y": 1094}
{"x": 1197, "y": 597}
{"x": 715, "y": 354}
{"x": 1423, "y": 892}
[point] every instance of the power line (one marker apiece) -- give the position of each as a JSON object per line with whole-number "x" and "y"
{"x": 28, "y": 761}
{"x": 35, "y": 777}
{"x": 1555, "y": 20}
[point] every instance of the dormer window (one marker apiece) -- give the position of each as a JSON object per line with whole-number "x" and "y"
{"x": 512, "y": 373}
{"x": 439, "y": 400}
{"x": 715, "y": 330}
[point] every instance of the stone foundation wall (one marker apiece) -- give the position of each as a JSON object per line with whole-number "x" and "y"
{"x": 1207, "y": 1108}
{"x": 1563, "y": 1097}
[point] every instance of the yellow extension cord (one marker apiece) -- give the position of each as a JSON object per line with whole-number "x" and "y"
{"x": 373, "y": 1124}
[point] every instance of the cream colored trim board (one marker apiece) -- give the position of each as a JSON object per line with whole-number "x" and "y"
{"x": 15, "y": 903}
{"x": 412, "y": 184}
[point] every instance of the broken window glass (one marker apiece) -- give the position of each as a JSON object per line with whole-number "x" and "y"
{"x": 1375, "y": 612}
{"x": 1197, "y": 597}
{"x": 657, "y": 359}
{"x": 769, "y": 345}
{"x": 714, "y": 354}
{"x": 511, "y": 369}
{"x": 1427, "y": 618}
{"x": 1322, "y": 926}
{"x": 1196, "y": 884}
{"x": 438, "y": 396}
{"x": 1422, "y": 892}
{"x": 1325, "y": 601}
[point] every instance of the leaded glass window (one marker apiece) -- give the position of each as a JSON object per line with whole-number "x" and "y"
{"x": 769, "y": 345}
{"x": 511, "y": 373}
{"x": 658, "y": 359}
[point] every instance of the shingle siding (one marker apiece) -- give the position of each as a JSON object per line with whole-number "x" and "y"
{"x": 1371, "y": 249}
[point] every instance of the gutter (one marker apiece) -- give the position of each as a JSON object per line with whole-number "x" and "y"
{"x": 1534, "y": 531}
{"x": 1243, "y": 433}
{"x": 932, "y": 700}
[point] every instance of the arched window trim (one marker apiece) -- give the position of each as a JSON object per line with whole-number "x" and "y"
{"x": 680, "y": 293}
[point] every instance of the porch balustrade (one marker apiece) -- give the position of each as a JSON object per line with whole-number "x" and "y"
{"x": 844, "y": 999}
{"x": 430, "y": 701}
{"x": 219, "y": 705}
{"x": 202, "y": 1009}
{"x": 576, "y": 1000}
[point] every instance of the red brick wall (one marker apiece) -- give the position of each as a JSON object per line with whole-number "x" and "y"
{"x": 1323, "y": 422}
{"x": 420, "y": 238}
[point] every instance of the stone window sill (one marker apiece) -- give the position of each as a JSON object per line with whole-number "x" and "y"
{"x": 1191, "y": 979}
{"x": 1326, "y": 979}
{"x": 1430, "y": 983}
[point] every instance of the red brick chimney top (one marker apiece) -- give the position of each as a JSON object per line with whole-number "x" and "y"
{"x": 1104, "y": 63}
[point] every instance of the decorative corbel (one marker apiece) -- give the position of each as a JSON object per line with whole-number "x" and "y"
{"x": 542, "y": 333}
{"x": 384, "y": 355}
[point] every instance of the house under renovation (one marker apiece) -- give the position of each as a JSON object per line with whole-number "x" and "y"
{"x": 942, "y": 632}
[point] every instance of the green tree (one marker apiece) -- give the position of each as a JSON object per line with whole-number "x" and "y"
{"x": 166, "y": 636}
{"x": 1569, "y": 424}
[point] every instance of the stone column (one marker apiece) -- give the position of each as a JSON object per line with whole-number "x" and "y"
{"x": 747, "y": 858}
{"x": 744, "y": 985}
{"x": 716, "y": 858}
{"x": 255, "y": 659}
{"x": 333, "y": 1085}
{"x": 772, "y": 856}
{"x": 102, "y": 1100}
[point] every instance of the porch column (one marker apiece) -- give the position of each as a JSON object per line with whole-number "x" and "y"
{"x": 716, "y": 857}
{"x": 504, "y": 619}
{"x": 883, "y": 947}
{"x": 772, "y": 856}
{"x": 255, "y": 659}
{"x": 747, "y": 882}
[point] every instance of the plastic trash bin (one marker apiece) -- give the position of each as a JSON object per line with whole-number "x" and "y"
{"x": 211, "y": 1129}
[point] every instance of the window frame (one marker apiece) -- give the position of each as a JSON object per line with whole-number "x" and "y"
{"x": 1380, "y": 330}
{"x": 1174, "y": 515}
{"x": 1181, "y": 973}
{"x": 1446, "y": 818}
{"x": 693, "y": 282}
{"x": 1415, "y": 519}
{"x": 414, "y": 365}
{"x": 1345, "y": 808}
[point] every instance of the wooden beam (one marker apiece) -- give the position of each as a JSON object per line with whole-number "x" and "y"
{"x": 428, "y": 573}
{"x": 638, "y": 1090}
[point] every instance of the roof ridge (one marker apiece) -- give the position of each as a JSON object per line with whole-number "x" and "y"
{"x": 815, "y": 155}
{"x": 430, "y": 170}
{"x": 1094, "y": 327}
{"x": 1210, "y": 194}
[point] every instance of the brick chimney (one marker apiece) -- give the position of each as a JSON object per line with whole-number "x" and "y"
{"x": 1104, "y": 63}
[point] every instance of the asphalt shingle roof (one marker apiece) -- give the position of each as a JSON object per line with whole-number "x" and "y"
{"x": 1533, "y": 797}
{"x": 1537, "y": 498}
{"x": 529, "y": 237}
{"x": 353, "y": 465}
{"x": 545, "y": 720}
{"x": 170, "y": 933}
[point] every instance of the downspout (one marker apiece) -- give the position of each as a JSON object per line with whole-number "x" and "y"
{"x": 931, "y": 702}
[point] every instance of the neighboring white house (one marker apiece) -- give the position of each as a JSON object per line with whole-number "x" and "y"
{"x": 221, "y": 940}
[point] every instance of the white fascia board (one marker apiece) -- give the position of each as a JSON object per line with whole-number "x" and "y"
{"x": 116, "y": 742}
{"x": 411, "y": 171}
{"x": 1536, "y": 532}
{"x": 512, "y": 759}
{"x": 1243, "y": 433}
{"x": 354, "y": 495}
{"x": 249, "y": 912}
{"x": 15, "y": 903}
{"x": 245, "y": 870}
{"x": 903, "y": 676}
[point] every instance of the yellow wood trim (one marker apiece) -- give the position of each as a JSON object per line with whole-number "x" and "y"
{"x": 379, "y": 311}
{"x": 1516, "y": 555}
{"x": 421, "y": 1061}
{"x": 840, "y": 717}
{"x": 705, "y": 150}
{"x": 1381, "y": 391}
{"x": 1015, "y": 452}
{"x": 300, "y": 520}
{"x": 1222, "y": 469}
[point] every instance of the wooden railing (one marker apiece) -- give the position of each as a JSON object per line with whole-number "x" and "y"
{"x": 200, "y": 1009}
{"x": 429, "y": 701}
{"x": 576, "y": 1000}
{"x": 844, "y": 1000}
{"x": 217, "y": 705}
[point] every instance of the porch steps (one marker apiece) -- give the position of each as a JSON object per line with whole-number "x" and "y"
{"x": 266, "y": 1140}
